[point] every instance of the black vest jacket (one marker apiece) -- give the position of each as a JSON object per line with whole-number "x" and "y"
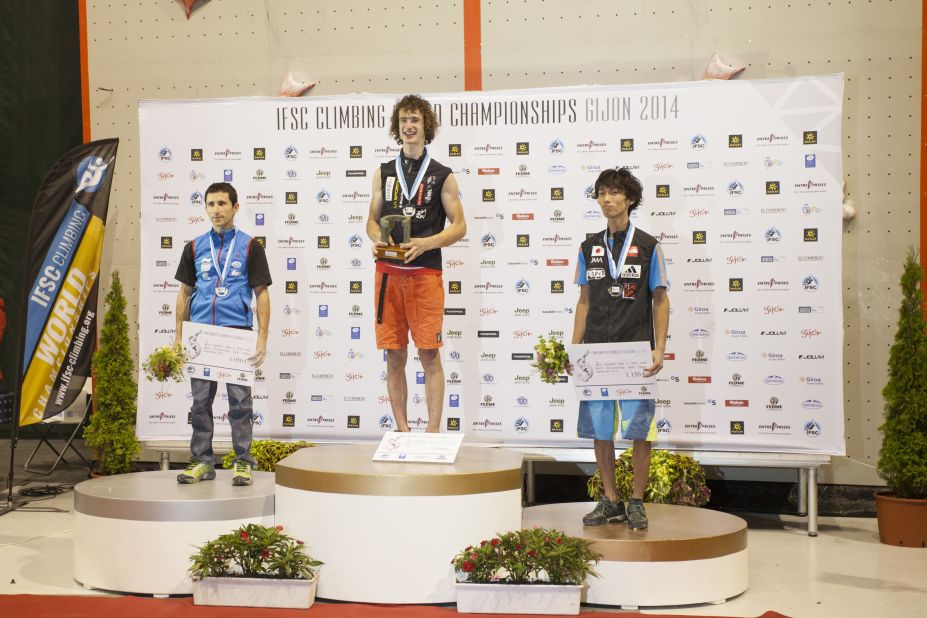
{"x": 426, "y": 209}
{"x": 629, "y": 317}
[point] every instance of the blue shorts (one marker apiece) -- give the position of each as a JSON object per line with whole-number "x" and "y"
{"x": 599, "y": 420}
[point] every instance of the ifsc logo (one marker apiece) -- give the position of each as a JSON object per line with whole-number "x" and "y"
{"x": 90, "y": 173}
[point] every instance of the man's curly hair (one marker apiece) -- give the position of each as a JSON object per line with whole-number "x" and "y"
{"x": 414, "y": 103}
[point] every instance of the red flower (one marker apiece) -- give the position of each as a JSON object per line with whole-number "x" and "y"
{"x": 518, "y": 546}
{"x": 474, "y": 556}
{"x": 278, "y": 528}
{"x": 298, "y": 542}
{"x": 482, "y": 543}
{"x": 559, "y": 541}
{"x": 532, "y": 553}
{"x": 469, "y": 547}
{"x": 468, "y": 566}
{"x": 495, "y": 542}
{"x": 265, "y": 554}
{"x": 244, "y": 536}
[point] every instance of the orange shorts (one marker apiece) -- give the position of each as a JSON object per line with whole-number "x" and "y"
{"x": 412, "y": 303}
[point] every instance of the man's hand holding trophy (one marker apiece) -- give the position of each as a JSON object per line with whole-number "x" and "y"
{"x": 392, "y": 250}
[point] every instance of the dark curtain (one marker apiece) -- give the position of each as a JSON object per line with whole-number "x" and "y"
{"x": 40, "y": 120}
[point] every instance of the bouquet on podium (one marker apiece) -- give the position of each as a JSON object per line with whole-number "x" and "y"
{"x": 551, "y": 359}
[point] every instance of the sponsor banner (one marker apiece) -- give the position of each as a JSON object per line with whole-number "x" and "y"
{"x": 750, "y": 231}
{"x": 63, "y": 256}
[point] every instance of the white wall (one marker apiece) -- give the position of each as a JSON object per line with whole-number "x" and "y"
{"x": 149, "y": 50}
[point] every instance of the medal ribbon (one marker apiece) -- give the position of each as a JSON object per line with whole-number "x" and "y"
{"x": 612, "y": 269}
{"x": 215, "y": 261}
{"x": 401, "y": 177}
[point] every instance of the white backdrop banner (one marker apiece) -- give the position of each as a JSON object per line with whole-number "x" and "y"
{"x": 742, "y": 185}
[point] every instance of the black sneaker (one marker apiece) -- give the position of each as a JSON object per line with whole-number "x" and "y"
{"x": 604, "y": 512}
{"x": 637, "y": 517}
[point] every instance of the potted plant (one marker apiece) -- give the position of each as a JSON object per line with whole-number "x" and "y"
{"x": 254, "y": 566}
{"x": 111, "y": 432}
{"x": 902, "y": 510}
{"x": 674, "y": 479}
{"x": 267, "y": 453}
{"x": 534, "y": 571}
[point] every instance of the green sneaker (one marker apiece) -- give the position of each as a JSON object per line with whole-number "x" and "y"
{"x": 195, "y": 472}
{"x": 637, "y": 517}
{"x": 242, "y": 475}
{"x": 604, "y": 512}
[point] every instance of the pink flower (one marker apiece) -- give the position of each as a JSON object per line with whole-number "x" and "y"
{"x": 278, "y": 528}
{"x": 474, "y": 556}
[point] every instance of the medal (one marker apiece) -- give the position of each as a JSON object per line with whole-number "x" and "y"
{"x": 408, "y": 192}
{"x": 614, "y": 269}
{"x": 618, "y": 290}
{"x": 221, "y": 291}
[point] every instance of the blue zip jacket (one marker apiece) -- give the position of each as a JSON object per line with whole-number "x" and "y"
{"x": 208, "y": 306}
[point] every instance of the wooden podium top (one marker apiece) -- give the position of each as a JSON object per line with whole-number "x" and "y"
{"x": 675, "y": 533}
{"x": 348, "y": 469}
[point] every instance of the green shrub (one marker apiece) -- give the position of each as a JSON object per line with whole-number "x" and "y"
{"x": 903, "y": 456}
{"x": 674, "y": 479}
{"x": 111, "y": 432}
{"x": 267, "y": 453}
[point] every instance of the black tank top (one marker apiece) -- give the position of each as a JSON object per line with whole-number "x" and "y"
{"x": 426, "y": 209}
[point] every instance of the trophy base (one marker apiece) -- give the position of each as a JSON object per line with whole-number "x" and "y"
{"x": 391, "y": 252}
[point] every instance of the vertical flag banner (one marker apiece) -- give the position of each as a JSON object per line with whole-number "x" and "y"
{"x": 63, "y": 253}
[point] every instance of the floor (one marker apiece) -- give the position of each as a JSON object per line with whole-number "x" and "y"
{"x": 845, "y": 572}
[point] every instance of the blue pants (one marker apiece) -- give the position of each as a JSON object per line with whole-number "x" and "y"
{"x": 240, "y": 420}
{"x": 600, "y": 420}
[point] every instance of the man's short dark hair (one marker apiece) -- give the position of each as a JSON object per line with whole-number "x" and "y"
{"x": 414, "y": 103}
{"x": 222, "y": 187}
{"x": 624, "y": 182}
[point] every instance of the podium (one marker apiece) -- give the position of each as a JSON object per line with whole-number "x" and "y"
{"x": 387, "y": 531}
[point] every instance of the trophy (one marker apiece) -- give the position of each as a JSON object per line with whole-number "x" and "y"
{"x": 393, "y": 251}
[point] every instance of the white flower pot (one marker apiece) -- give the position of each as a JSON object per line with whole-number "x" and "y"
{"x": 518, "y": 599}
{"x": 255, "y": 592}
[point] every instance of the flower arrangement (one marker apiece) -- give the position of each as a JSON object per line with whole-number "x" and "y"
{"x": 551, "y": 359}
{"x": 166, "y": 363}
{"x": 254, "y": 551}
{"x": 674, "y": 479}
{"x": 533, "y": 556}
